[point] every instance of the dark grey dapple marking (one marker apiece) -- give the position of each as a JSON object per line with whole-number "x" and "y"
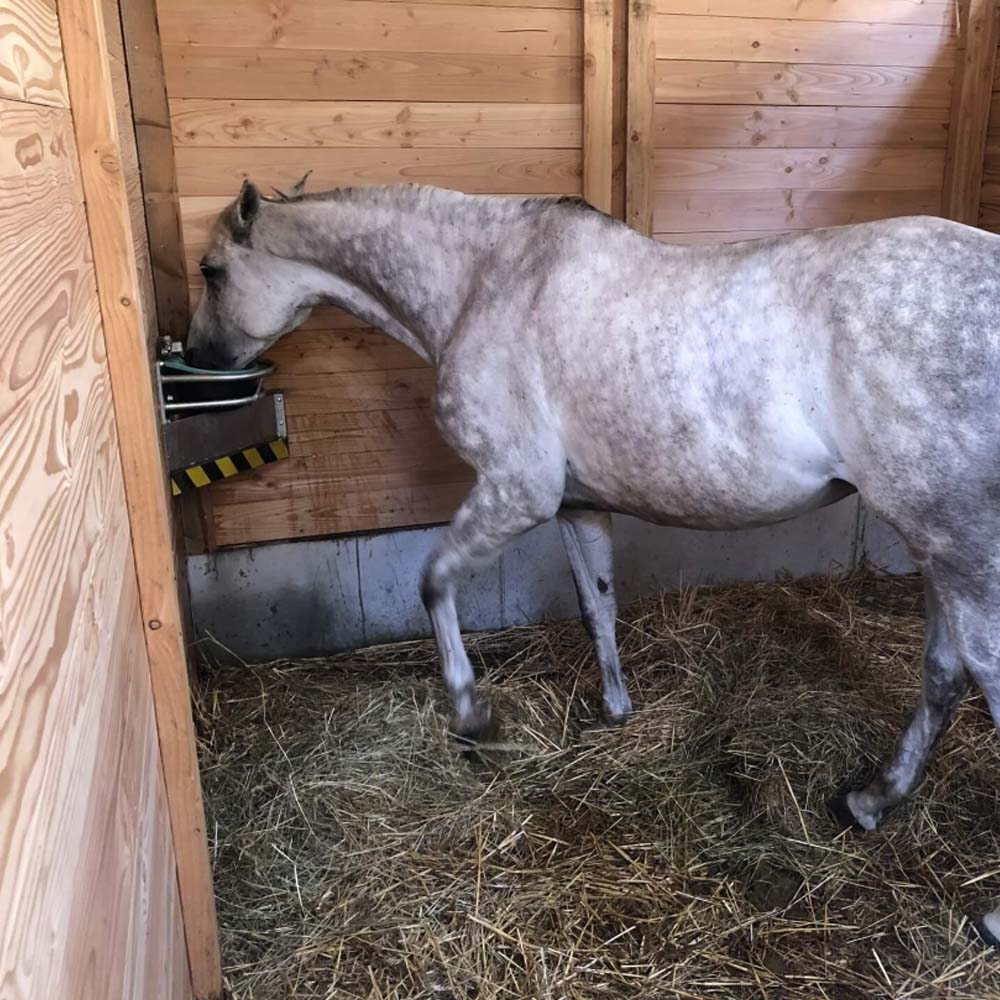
{"x": 582, "y": 368}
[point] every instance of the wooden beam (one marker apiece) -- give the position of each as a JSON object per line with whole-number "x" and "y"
{"x": 970, "y": 110}
{"x": 641, "y": 86}
{"x": 598, "y": 103}
{"x": 144, "y": 60}
{"x": 92, "y": 98}
{"x": 619, "y": 136}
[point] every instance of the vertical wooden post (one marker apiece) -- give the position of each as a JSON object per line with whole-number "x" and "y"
{"x": 85, "y": 45}
{"x": 598, "y": 103}
{"x": 641, "y": 96}
{"x": 144, "y": 59}
{"x": 970, "y": 110}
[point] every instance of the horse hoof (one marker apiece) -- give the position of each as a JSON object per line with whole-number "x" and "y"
{"x": 843, "y": 815}
{"x": 615, "y": 719}
{"x": 987, "y": 935}
{"x": 617, "y": 710}
{"x": 477, "y": 726}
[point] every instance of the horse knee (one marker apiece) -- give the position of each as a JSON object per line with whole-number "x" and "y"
{"x": 433, "y": 588}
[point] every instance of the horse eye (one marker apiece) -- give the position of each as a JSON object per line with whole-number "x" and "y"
{"x": 212, "y": 272}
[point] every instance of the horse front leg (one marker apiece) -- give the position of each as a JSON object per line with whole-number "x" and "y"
{"x": 492, "y": 515}
{"x": 587, "y": 537}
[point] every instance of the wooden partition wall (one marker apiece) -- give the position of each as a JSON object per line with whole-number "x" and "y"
{"x": 742, "y": 120}
{"x": 105, "y": 890}
{"x": 88, "y": 885}
{"x": 802, "y": 115}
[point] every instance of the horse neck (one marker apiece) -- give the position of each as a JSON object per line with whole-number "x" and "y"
{"x": 405, "y": 261}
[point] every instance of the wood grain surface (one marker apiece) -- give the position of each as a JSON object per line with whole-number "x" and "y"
{"x": 88, "y": 887}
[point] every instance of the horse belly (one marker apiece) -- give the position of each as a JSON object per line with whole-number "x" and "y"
{"x": 710, "y": 482}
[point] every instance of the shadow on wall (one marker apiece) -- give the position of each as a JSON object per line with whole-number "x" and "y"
{"x": 315, "y": 597}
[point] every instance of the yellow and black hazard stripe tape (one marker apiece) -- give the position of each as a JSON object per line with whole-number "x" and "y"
{"x": 196, "y": 476}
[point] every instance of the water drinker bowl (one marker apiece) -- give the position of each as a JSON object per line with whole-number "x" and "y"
{"x": 186, "y": 390}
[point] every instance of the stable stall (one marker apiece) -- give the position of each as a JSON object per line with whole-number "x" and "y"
{"x": 155, "y": 517}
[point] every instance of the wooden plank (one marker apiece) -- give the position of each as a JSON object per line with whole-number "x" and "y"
{"x": 598, "y": 103}
{"x": 707, "y": 82}
{"x": 989, "y": 207}
{"x": 373, "y": 26}
{"x": 341, "y": 475}
{"x": 401, "y": 389}
{"x": 714, "y": 238}
{"x": 143, "y": 472}
{"x": 826, "y": 169}
{"x": 320, "y": 352}
{"x": 707, "y": 211}
{"x": 769, "y": 40}
{"x": 734, "y": 126}
{"x": 306, "y": 509}
{"x": 31, "y": 62}
{"x": 83, "y": 822}
{"x": 639, "y": 168}
{"x": 934, "y": 12}
{"x": 316, "y": 74}
{"x": 994, "y": 122}
{"x": 374, "y": 124}
{"x": 156, "y": 158}
{"x": 366, "y": 431}
{"x": 991, "y": 173}
{"x": 560, "y": 4}
{"x": 485, "y": 171}
{"x": 144, "y": 59}
{"x": 963, "y": 175}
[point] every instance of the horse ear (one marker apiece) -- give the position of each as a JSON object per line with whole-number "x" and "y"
{"x": 300, "y": 186}
{"x": 294, "y": 192}
{"x": 247, "y": 206}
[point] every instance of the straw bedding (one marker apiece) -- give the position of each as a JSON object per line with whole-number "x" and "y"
{"x": 359, "y": 853}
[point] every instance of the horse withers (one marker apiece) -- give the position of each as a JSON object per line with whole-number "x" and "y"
{"x": 584, "y": 369}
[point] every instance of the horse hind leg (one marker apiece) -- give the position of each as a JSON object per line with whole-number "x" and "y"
{"x": 971, "y": 602}
{"x": 587, "y": 537}
{"x": 944, "y": 684}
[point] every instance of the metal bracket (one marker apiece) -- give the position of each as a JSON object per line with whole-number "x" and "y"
{"x": 205, "y": 437}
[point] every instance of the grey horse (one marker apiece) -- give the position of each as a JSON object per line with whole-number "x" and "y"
{"x": 583, "y": 368}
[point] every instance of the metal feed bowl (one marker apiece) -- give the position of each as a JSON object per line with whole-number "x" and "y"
{"x": 186, "y": 390}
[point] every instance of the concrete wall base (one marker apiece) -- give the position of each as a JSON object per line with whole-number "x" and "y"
{"x": 319, "y": 596}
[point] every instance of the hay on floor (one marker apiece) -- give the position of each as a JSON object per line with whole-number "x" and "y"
{"x": 358, "y": 853}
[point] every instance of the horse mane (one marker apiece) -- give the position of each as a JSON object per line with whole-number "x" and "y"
{"x": 421, "y": 195}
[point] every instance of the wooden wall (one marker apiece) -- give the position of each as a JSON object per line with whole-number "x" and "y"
{"x": 481, "y": 96}
{"x": 88, "y": 884}
{"x": 768, "y": 117}
{"x": 809, "y": 113}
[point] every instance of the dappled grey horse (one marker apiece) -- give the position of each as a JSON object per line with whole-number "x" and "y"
{"x": 583, "y": 369}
